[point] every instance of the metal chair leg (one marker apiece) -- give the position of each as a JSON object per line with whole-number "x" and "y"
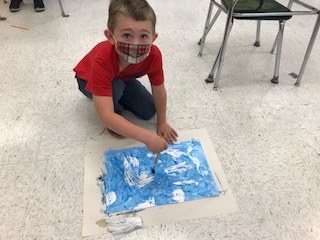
{"x": 208, "y": 26}
{"x": 309, "y": 49}
{"x": 274, "y": 44}
{"x": 62, "y": 10}
{"x": 2, "y": 18}
{"x": 205, "y": 30}
{"x": 257, "y": 42}
{"x": 210, "y": 78}
{"x": 220, "y": 58}
{"x": 217, "y": 67}
{"x": 275, "y": 41}
{"x": 275, "y": 78}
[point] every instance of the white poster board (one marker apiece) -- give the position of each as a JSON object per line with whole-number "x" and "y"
{"x": 93, "y": 209}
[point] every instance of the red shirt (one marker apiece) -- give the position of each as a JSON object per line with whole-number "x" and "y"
{"x": 101, "y": 65}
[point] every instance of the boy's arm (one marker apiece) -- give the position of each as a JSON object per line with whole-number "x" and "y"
{"x": 160, "y": 101}
{"x": 115, "y": 122}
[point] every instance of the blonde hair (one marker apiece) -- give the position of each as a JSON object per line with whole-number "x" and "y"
{"x": 138, "y": 10}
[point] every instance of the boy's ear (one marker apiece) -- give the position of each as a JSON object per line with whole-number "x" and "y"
{"x": 155, "y": 37}
{"x": 109, "y": 36}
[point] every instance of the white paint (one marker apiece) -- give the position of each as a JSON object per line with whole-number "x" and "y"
{"x": 111, "y": 198}
{"x": 134, "y": 161}
{"x": 175, "y": 153}
{"x": 126, "y": 163}
{"x": 204, "y": 172}
{"x": 132, "y": 175}
{"x": 129, "y": 178}
{"x": 185, "y": 182}
{"x": 137, "y": 180}
{"x": 150, "y": 155}
{"x": 178, "y": 195}
{"x": 189, "y": 149}
{"x": 197, "y": 163}
{"x": 181, "y": 167}
{"x": 144, "y": 179}
{"x": 149, "y": 203}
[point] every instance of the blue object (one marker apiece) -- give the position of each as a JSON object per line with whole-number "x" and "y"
{"x": 182, "y": 174}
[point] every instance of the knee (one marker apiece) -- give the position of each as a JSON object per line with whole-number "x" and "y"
{"x": 147, "y": 112}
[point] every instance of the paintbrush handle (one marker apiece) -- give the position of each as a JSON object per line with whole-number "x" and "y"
{"x": 157, "y": 158}
{"x": 158, "y": 154}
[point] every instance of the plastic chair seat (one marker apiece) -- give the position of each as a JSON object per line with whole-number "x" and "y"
{"x": 258, "y": 6}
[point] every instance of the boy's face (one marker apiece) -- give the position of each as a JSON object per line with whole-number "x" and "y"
{"x": 131, "y": 31}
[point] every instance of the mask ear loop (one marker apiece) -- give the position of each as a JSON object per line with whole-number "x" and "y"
{"x": 115, "y": 40}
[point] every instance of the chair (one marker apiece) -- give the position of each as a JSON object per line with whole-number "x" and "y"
{"x": 259, "y": 10}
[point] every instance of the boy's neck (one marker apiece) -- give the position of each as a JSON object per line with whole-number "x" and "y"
{"x": 122, "y": 64}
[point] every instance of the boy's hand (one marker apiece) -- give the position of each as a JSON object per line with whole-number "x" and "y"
{"x": 157, "y": 144}
{"x": 168, "y": 133}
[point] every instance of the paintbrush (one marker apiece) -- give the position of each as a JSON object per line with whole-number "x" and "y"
{"x": 157, "y": 157}
{"x": 155, "y": 162}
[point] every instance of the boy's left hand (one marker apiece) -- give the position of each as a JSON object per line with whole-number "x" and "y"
{"x": 168, "y": 133}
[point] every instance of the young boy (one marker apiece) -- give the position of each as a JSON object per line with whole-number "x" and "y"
{"x": 108, "y": 75}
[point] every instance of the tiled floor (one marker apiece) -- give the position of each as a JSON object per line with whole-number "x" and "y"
{"x": 267, "y": 136}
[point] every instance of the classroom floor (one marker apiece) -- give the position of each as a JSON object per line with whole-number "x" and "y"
{"x": 267, "y": 136}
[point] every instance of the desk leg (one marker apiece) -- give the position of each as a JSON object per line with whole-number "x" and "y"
{"x": 309, "y": 49}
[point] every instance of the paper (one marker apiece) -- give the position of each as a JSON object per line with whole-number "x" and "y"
{"x": 93, "y": 209}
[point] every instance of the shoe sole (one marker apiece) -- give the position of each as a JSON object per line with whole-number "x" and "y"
{"x": 16, "y": 9}
{"x": 39, "y": 9}
{"x": 113, "y": 134}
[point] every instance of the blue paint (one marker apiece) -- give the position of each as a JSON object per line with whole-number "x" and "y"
{"x": 182, "y": 174}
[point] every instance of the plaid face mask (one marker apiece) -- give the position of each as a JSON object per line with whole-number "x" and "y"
{"x": 132, "y": 53}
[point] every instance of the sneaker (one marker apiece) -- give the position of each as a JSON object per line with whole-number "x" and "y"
{"x": 113, "y": 134}
{"x": 15, "y": 5}
{"x": 38, "y": 6}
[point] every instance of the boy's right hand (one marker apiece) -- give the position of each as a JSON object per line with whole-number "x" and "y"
{"x": 156, "y": 144}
